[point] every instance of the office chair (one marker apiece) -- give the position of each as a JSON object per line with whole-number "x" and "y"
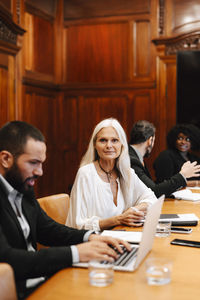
{"x": 7, "y": 283}
{"x": 56, "y": 206}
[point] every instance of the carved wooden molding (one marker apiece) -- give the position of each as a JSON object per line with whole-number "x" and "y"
{"x": 161, "y": 16}
{"x": 188, "y": 41}
{"x": 8, "y": 29}
{"x": 18, "y": 11}
{"x": 6, "y": 34}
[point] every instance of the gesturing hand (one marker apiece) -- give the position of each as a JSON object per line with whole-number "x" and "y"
{"x": 190, "y": 169}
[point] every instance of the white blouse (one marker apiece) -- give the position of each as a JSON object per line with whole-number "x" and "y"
{"x": 91, "y": 198}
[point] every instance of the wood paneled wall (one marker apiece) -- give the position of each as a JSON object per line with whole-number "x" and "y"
{"x": 110, "y": 67}
{"x": 105, "y": 75}
{"x": 97, "y": 53}
{"x": 3, "y": 88}
{"x": 82, "y": 61}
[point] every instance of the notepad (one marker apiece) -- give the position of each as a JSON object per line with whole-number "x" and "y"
{"x": 179, "y": 217}
{"x": 129, "y": 236}
{"x": 187, "y": 194}
{"x": 194, "y": 188}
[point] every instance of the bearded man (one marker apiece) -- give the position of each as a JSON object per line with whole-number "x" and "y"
{"x": 23, "y": 223}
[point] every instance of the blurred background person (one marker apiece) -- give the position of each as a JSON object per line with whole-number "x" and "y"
{"x": 182, "y": 139}
{"x": 106, "y": 191}
{"x": 141, "y": 144}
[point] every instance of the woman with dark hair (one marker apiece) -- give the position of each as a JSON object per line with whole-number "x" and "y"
{"x": 181, "y": 140}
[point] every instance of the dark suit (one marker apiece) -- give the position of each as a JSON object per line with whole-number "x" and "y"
{"x": 169, "y": 162}
{"x": 167, "y": 187}
{"x": 13, "y": 249}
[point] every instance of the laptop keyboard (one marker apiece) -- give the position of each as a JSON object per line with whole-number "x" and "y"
{"x": 124, "y": 257}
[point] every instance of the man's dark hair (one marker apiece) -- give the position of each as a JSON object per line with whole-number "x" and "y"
{"x": 141, "y": 132}
{"x": 14, "y": 135}
{"x": 190, "y": 130}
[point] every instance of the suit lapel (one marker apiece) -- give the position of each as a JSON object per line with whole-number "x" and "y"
{"x": 133, "y": 153}
{"x": 147, "y": 171}
{"x": 29, "y": 211}
{"x": 7, "y": 206}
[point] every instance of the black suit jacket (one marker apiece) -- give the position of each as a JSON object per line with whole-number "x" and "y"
{"x": 13, "y": 248}
{"x": 169, "y": 162}
{"x": 167, "y": 187}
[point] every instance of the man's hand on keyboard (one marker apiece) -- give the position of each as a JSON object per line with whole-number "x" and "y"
{"x": 101, "y": 248}
{"x": 114, "y": 242}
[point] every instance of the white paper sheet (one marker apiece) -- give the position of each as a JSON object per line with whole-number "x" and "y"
{"x": 130, "y": 236}
{"x": 187, "y": 194}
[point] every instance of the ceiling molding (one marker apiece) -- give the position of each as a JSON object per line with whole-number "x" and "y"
{"x": 187, "y": 41}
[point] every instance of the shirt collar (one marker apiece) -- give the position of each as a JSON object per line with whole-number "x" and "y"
{"x": 8, "y": 188}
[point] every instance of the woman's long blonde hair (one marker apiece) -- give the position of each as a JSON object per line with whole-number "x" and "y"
{"x": 122, "y": 162}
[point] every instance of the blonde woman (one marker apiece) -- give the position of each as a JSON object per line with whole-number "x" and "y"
{"x": 106, "y": 191}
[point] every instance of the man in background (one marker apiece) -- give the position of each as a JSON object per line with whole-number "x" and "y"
{"x": 141, "y": 144}
{"x": 23, "y": 223}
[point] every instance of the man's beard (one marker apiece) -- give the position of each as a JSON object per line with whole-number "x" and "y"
{"x": 148, "y": 150}
{"x": 14, "y": 177}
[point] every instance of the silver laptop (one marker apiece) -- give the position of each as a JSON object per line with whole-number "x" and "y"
{"x": 133, "y": 259}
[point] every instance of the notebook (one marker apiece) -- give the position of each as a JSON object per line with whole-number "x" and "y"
{"x": 140, "y": 251}
{"x": 180, "y": 219}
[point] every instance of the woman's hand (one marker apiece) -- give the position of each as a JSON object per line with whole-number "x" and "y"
{"x": 142, "y": 207}
{"x": 132, "y": 217}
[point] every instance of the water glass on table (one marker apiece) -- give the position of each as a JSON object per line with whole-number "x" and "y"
{"x": 158, "y": 271}
{"x": 100, "y": 274}
{"x": 163, "y": 229}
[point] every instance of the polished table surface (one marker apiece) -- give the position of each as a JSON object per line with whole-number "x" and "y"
{"x": 72, "y": 283}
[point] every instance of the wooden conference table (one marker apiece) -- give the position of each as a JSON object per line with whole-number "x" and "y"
{"x": 72, "y": 283}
